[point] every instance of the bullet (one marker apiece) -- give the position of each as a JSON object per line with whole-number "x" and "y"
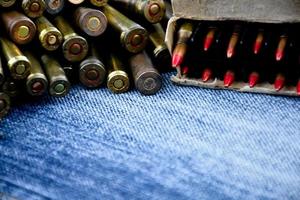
{"x": 59, "y": 84}
{"x": 280, "y": 51}
{"x": 76, "y": 2}
{"x": 18, "y": 64}
{"x": 33, "y": 8}
{"x": 209, "y": 39}
{"x": 7, "y": 3}
{"x": 258, "y": 42}
{"x": 50, "y": 37}
{"x": 253, "y": 79}
{"x": 279, "y": 82}
{"x": 185, "y": 71}
{"x": 2, "y": 77}
{"x": 92, "y": 72}
{"x": 233, "y": 42}
{"x": 133, "y": 37}
{"x": 184, "y": 34}
{"x": 118, "y": 79}
{"x": 18, "y": 26}
{"x": 207, "y": 74}
{"x": 91, "y": 21}
{"x": 147, "y": 79}
{"x": 98, "y": 3}
{"x": 4, "y": 104}
{"x": 229, "y": 78}
{"x": 151, "y": 10}
{"x": 36, "y": 82}
{"x": 159, "y": 48}
{"x": 75, "y": 47}
{"x": 54, "y": 7}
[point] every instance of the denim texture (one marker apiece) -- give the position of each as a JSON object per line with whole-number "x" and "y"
{"x": 183, "y": 143}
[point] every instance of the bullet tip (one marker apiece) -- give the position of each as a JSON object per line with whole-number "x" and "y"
{"x": 230, "y": 53}
{"x": 279, "y": 83}
{"x": 279, "y": 55}
{"x": 177, "y": 60}
{"x": 298, "y": 88}
{"x": 229, "y": 79}
{"x": 253, "y": 79}
{"x": 208, "y": 43}
{"x": 207, "y": 73}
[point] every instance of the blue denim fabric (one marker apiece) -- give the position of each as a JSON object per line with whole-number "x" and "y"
{"x": 184, "y": 143}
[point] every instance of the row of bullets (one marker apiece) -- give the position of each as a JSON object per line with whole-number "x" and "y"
{"x": 252, "y": 53}
{"x": 49, "y": 44}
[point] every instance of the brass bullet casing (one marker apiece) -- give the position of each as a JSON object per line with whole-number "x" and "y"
{"x": 2, "y": 77}
{"x": 75, "y": 47}
{"x": 33, "y": 8}
{"x": 159, "y": 47}
{"x": 59, "y": 84}
{"x": 49, "y": 36}
{"x": 133, "y": 37}
{"x": 54, "y": 7}
{"x": 76, "y": 2}
{"x": 4, "y": 104}
{"x": 92, "y": 71}
{"x": 118, "y": 79}
{"x": 91, "y": 21}
{"x": 7, "y": 3}
{"x": 99, "y": 3}
{"x": 18, "y": 26}
{"x": 19, "y": 66}
{"x": 147, "y": 79}
{"x": 36, "y": 82}
{"x": 152, "y": 11}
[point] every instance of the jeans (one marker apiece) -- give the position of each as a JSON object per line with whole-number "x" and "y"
{"x": 183, "y": 143}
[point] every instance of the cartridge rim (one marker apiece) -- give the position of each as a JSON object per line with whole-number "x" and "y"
{"x": 154, "y": 11}
{"x": 19, "y": 67}
{"x": 7, "y": 4}
{"x": 9, "y": 87}
{"x": 59, "y": 88}
{"x": 118, "y": 81}
{"x": 149, "y": 83}
{"x": 36, "y": 84}
{"x": 135, "y": 40}
{"x": 75, "y": 48}
{"x": 76, "y": 1}
{"x": 23, "y": 31}
{"x": 92, "y": 74}
{"x": 54, "y": 6}
{"x": 51, "y": 38}
{"x": 4, "y": 104}
{"x": 93, "y": 22}
{"x": 34, "y": 8}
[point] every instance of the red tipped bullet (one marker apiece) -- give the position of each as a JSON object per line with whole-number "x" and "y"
{"x": 206, "y": 75}
{"x": 184, "y": 34}
{"x": 185, "y": 71}
{"x": 279, "y": 82}
{"x": 209, "y": 39}
{"x": 281, "y": 48}
{"x": 253, "y": 79}
{"x": 258, "y": 42}
{"x": 229, "y": 78}
{"x": 298, "y": 88}
{"x": 233, "y": 42}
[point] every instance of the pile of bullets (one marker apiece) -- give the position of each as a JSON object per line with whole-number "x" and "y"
{"x": 234, "y": 54}
{"x": 48, "y": 45}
